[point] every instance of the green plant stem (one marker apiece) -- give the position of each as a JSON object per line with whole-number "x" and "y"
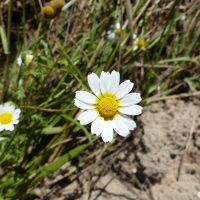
{"x": 6, "y": 67}
{"x": 129, "y": 16}
{"x": 7, "y": 148}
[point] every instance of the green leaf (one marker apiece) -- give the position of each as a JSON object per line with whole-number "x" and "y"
{"x": 52, "y": 130}
{"x": 56, "y": 164}
{"x": 4, "y": 40}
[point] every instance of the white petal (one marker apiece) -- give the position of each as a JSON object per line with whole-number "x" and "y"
{"x": 135, "y": 48}
{"x": 83, "y": 105}
{"x": 130, "y": 99}
{"x": 131, "y": 110}
{"x": 120, "y": 127}
{"x": 107, "y": 134}
{"x": 128, "y": 122}
{"x": 15, "y": 117}
{"x": 94, "y": 84}
{"x": 85, "y": 97}
{"x": 115, "y": 78}
{"x": 117, "y": 25}
{"x": 17, "y": 112}
{"x": 136, "y": 42}
{"x": 15, "y": 121}
{"x": 1, "y": 109}
{"x": 1, "y": 128}
{"x": 9, "y": 108}
{"x": 87, "y": 116}
{"x": 105, "y": 81}
{"x": 19, "y": 60}
{"x": 2, "y": 138}
{"x": 111, "y": 35}
{"x": 9, "y": 127}
{"x": 124, "y": 88}
{"x": 97, "y": 126}
{"x": 134, "y": 36}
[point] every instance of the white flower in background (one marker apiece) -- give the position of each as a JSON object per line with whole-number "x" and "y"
{"x": 138, "y": 43}
{"x": 2, "y": 138}
{"x": 108, "y": 107}
{"x": 19, "y": 60}
{"x": 116, "y": 33}
{"x": 9, "y": 116}
{"x": 26, "y": 59}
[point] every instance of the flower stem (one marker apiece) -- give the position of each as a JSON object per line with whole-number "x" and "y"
{"x": 6, "y": 67}
{"x": 129, "y": 16}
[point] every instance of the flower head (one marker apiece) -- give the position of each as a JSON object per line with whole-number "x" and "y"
{"x": 116, "y": 33}
{"x": 108, "y": 107}
{"x": 28, "y": 58}
{"x": 25, "y": 59}
{"x": 52, "y": 8}
{"x": 48, "y": 11}
{"x": 139, "y": 43}
{"x": 9, "y": 116}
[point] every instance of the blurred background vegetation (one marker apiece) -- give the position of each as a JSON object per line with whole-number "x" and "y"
{"x": 66, "y": 48}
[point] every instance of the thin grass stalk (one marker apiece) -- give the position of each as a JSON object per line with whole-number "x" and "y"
{"x": 7, "y": 148}
{"x": 6, "y": 67}
{"x": 168, "y": 26}
{"x": 129, "y": 16}
{"x": 24, "y": 21}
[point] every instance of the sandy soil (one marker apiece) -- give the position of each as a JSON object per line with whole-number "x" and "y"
{"x": 160, "y": 161}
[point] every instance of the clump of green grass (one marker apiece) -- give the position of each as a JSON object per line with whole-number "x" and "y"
{"x": 65, "y": 50}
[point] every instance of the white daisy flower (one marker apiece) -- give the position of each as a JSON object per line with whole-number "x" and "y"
{"x": 25, "y": 59}
{"x": 108, "y": 107}
{"x": 116, "y": 33}
{"x": 19, "y": 60}
{"x": 138, "y": 43}
{"x": 9, "y": 116}
{"x": 28, "y": 58}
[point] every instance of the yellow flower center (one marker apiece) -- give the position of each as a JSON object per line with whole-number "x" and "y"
{"x": 48, "y": 11}
{"x": 141, "y": 43}
{"x": 5, "y": 118}
{"x": 28, "y": 59}
{"x": 107, "y": 106}
{"x": 118, "y": 31}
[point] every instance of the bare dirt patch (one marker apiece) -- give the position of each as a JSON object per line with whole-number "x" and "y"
{"x": 160, "y": 161}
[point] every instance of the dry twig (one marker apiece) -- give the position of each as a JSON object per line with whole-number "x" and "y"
{"x": 177, "y": 96}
